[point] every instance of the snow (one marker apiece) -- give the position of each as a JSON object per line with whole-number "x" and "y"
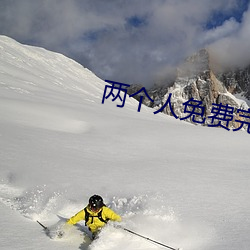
{"x": 245, "y": 101}
{"x": 182, "y": 185}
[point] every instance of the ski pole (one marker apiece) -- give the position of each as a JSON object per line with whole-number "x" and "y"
{"x": 45, "y": 228}
{"x": 146, "y": 238}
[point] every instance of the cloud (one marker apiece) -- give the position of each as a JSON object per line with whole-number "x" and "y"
{"x": 228, "y": 28}
{"x": 128, "y": 41}
{"x": 232, "y": 50}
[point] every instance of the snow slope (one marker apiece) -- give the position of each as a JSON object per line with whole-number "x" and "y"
{"x": 183, "y": 185}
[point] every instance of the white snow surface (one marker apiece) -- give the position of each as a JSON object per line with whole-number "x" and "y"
{"x": 182, "y": 185}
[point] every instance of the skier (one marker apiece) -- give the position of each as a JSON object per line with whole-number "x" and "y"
{"x": 95, "y": 214}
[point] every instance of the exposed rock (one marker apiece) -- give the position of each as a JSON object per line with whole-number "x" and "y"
{"x": 195, "y": 79}
{"x": 237, "y": 81}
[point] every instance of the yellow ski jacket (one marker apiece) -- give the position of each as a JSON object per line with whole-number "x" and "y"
{"x": 94, "y": 223}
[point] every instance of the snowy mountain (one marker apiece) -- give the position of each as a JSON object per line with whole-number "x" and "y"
{"x": 237, "y": 81}
{"x": 198, "y": 79}
{"x": 183, "y": 185}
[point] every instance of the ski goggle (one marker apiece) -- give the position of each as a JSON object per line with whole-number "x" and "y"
{"x": 94, "y": 208}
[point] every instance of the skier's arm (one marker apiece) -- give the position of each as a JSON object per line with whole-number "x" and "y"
{"x": 77, "y": 217}
{"x": 110, "y": 214}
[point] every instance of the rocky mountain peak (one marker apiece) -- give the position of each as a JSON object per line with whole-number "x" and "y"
{"x": 196, "y": 79}
{"x": 237, "y": 81}
{"x": 194, "y": 65}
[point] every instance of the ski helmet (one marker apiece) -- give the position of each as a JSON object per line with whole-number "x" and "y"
{"x": 95, "y": 202}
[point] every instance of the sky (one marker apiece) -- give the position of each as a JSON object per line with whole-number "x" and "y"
{"x": 132, "y": 41}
